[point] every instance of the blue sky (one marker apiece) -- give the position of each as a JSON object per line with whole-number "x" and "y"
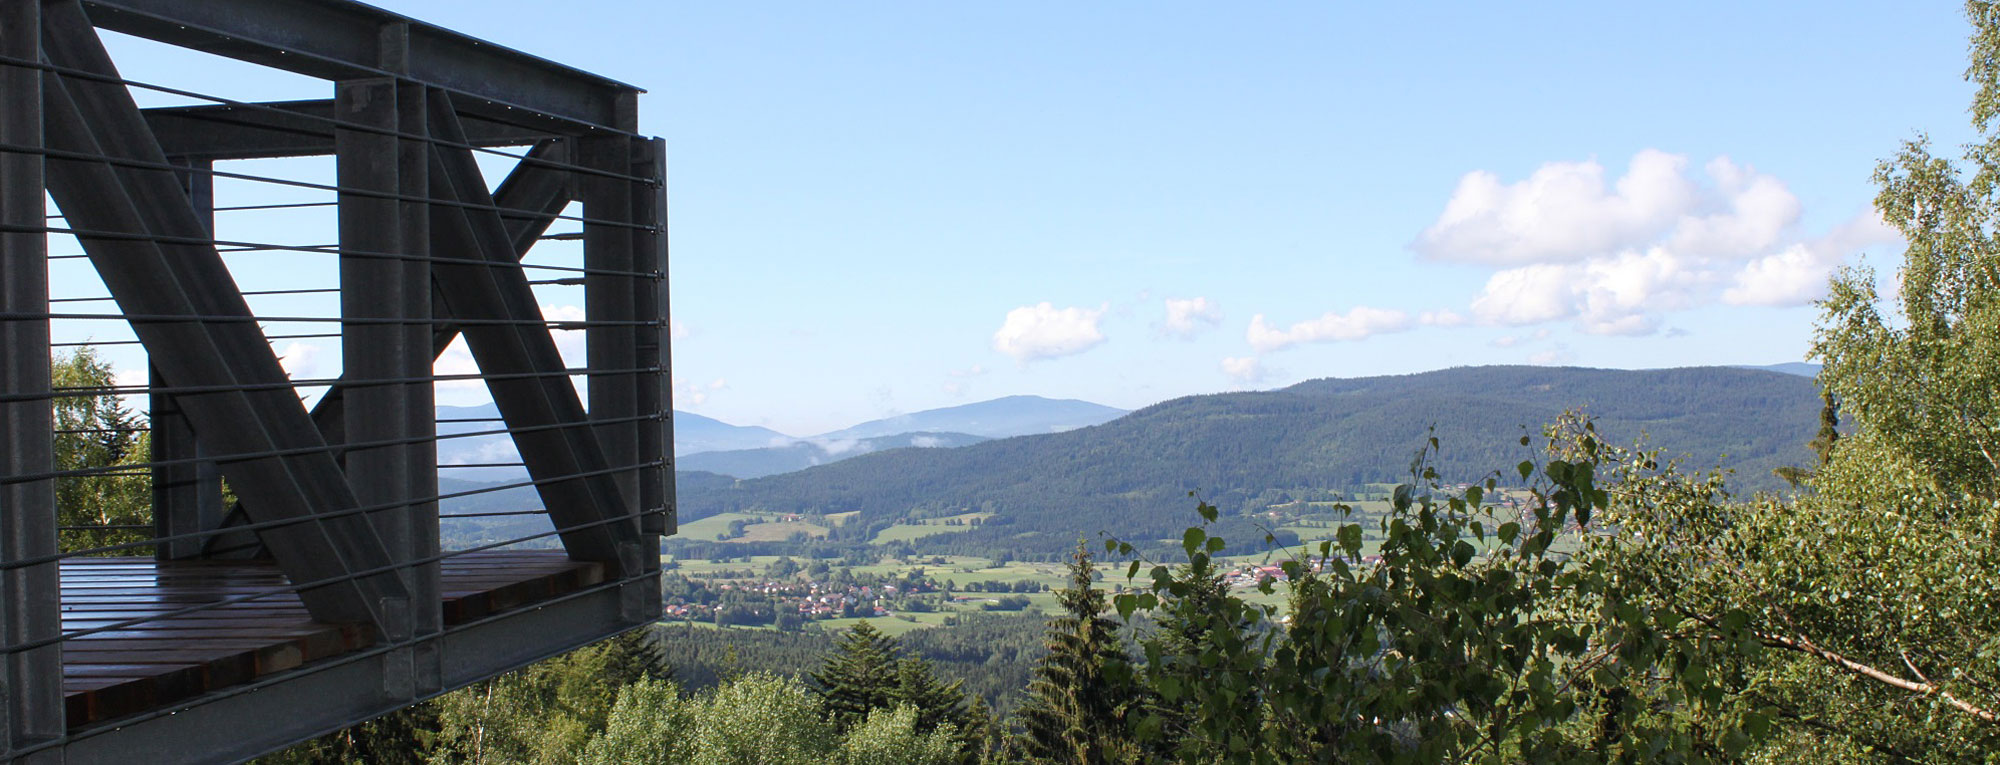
{"x": 883, "y": 208}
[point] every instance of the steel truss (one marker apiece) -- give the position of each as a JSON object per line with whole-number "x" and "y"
{"x": 343, "y": 496}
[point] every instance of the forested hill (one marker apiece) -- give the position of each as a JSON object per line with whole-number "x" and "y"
{"x": 1131, "y": 476}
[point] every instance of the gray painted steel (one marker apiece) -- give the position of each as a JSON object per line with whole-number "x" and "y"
{"x": 338, "y": 40}
{"x": 570, "y": 464}
{"x": 285, "y": 129}
{"x": 412, "y": 98}
{"x": 257, "y": 413}
{"x": 187, "y": 496}
{"x": 31, "y": 707}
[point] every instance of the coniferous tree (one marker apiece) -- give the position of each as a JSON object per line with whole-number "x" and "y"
{"x": 1082, "y": 688}
{"x": 936, "y": 701}
{"x": 860, "y": 675}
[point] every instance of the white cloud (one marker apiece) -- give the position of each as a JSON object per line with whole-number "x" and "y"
{"x": 1617, "y": 295}
{"x": 1440, "y": 318}
{"x": 926, "y": 442}
{"x": 1358, "y": 323}
{"x": 839, "y": 446}
{"x": 675, "y": 329}
{"x": 1508, "y": 341}
{"x": 1757, "y": 210}
{"x": 1563, "y": 211}
{"x": 300, "y": 360}
{"x": 1044, "y": 332}
{"x": 1798, "y": 274}
{"x": 1244, "y": 369}
{"x": 1613, "y": 258}
{"x": 1187, "y": 317}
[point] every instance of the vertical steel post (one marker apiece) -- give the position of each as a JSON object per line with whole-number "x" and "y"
{"x": 610, "y": 305}
{"x": 656, "y": 490}
{"x": 31, "y": 700}
{"x": 413, "y": 162}
{"x": 374, "y": 334}
{"x": 187, "y": 495}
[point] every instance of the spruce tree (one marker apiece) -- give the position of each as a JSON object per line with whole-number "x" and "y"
{"x": 1081, "y": 690}
{"x": 859, "y": 675}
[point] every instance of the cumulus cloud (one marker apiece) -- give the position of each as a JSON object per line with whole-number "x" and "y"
{"x": 1756, "y": 211}
{"x": 1614, "y": 256}
{"x": 1798, "y": 274}
{"x": 675, "y": 329}
{"x": 1617, "y": 295}
{"x": 1358, "y": 323}
{"x": 1043, "y": 331}
{"x": 1440, "y": 318}
{"x": 926, "y": 442}
{"x": 1244, "y": 369}
{"x": 1187, "y": 317}
{"x": 1563, "y": 211}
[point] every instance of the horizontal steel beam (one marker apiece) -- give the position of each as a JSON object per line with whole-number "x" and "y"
{"x": 287, "y": 129}
{"x": 342, "y": 40}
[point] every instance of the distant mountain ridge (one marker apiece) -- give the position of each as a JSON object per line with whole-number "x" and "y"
{"x": 695, "y": 433}
{"x": 1131, "y": 476}
{"x": 771, "y": 460}
{"x": 998, "y": 418}
{"x": 748, "y": 451}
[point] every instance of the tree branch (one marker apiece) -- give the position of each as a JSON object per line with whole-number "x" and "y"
{"x": 1803, "y": 645}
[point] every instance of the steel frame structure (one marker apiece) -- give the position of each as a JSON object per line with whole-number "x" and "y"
{"x": 341, "y": 496}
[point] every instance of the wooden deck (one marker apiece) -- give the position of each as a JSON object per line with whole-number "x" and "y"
{"x": 131, "y": 669}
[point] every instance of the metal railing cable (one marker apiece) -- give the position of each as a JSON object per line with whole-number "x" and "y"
{"x": 349, "y": 576}
{"x": 334, "y": 448}
{"x": 123, "y": 236}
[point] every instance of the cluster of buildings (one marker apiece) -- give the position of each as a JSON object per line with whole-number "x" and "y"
{"x": 1251, "y": 575}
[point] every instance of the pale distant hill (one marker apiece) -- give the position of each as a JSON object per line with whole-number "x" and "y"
{"x": 695, "y": 433}
{"x": 771, "y": 460}
{"x": 998, "y": 418}
{"x": 692, "y": 433}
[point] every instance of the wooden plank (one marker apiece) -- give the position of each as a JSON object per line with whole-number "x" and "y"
{"x": 135, "y": 667}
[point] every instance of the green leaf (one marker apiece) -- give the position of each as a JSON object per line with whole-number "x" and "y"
{"x": 1350, "y": 539}
{"x": 1207, "y": 511}
{"x": 1526, "y": 467}
{"x": 1508, "y": 531}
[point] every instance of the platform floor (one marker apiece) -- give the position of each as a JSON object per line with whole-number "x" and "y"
{"x": 132, "y": 669}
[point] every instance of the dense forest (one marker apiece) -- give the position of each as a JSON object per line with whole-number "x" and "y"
{"x": 1315, "y": 440}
